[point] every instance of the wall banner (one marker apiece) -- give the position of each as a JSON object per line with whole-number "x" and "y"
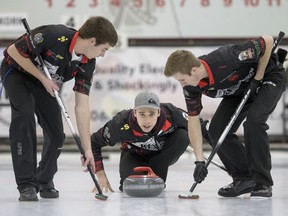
{"x": 120, "y": 76}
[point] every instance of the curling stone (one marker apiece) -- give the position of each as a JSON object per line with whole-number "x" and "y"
{"x": 149, "y": 185}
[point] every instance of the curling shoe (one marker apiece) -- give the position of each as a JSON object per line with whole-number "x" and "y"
{"x": 48, "y": 191}
{"x": 261, "y": 190}
{"x": 28, "y": 194}
{"x": 237, "y": 188}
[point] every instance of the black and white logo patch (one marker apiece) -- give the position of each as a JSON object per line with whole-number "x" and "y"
{"x": 38, "y": 38}
{"x": 246, "y": 54}
{"x": 152, "y": 101}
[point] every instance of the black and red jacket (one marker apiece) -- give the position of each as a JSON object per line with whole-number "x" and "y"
{"x": 55, "y": 44}
{"x": 230, "y": 68}
{"x": 123, "y": 129}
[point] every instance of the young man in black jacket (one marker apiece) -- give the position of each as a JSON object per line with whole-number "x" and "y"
{"x": 227, "y": 73}
{"x": 152, "y": 134}
{"x": 68, "y": 54}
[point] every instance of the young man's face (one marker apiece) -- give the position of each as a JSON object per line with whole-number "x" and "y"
{"x": 185, "y": 79}
{"x": 92, "y": 50}
{"x": 146, "y": 118}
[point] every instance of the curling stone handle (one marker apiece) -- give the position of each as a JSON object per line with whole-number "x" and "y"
{"x": 145, "y": 169}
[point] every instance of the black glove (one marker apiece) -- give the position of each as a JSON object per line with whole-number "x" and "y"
{"x": 200, "y": 171}
{"x": 254, "y": 86}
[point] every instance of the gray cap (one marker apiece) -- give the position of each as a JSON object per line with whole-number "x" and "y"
{"x": 146, "y": 100}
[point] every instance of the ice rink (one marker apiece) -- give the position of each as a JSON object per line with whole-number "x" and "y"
{"x": 76, "y": 197}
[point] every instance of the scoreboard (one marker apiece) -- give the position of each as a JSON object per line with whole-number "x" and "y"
{"x": 153, "y": 18}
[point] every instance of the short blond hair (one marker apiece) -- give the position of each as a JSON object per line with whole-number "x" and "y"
{"x": 181, "y": 61}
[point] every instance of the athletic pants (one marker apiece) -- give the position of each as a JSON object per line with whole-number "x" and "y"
{"x": 28, "y": 97}
{"x": 174, "y": 147}
{"x": 251, "y": 160}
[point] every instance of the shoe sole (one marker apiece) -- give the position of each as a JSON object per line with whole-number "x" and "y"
{"x": 29, "y": 200}
{"x": 247, "y": 190}
{"x": 49, "y": 196}
{"x": 259, "y": 196}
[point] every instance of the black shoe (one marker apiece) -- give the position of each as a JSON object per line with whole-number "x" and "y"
{"x": 121, "y": 188}
{"x": 49, "y": 193}
{"x": 237, "y": 188}
{"x": 261, "y": 190}
{"x": 48, "y": 190}
{"x": 28, "y": 194}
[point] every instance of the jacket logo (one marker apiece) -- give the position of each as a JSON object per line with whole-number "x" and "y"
{"x": 150, "y": 144}
{"x": 233, "y": 77}
{"x": 38, "y": 38}
{"x": 54, "y": 55}
{"x": 62, "y": 39}
{"x": 246, "y": 54}
{"x": 125, "y": 127}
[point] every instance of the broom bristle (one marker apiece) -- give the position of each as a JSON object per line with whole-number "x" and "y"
{"x": 101, "y": 197}
{"x": 188, "y": 197}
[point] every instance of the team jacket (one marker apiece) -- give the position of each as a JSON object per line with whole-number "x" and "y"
{"x": 124, "y": 129}
{"x": 230, "y": 68}
{"x": 55, "y": 43}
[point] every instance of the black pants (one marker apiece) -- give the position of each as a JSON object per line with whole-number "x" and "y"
{"x": 174, "y": 147}
{"x": 253, "y": 159}
{"x": 28, "y": 97}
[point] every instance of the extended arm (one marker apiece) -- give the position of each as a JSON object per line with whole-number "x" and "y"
{"x": 82, "y": 112}
{"x": 106, "y": 136}
{"x": 195, "y": 136}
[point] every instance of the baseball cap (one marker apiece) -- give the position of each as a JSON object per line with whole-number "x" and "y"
{"x": 146, "y": 99}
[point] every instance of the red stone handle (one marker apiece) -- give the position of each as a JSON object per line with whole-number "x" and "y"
{"x": 149, "y": 171}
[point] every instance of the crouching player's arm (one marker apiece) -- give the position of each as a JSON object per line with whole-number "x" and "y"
{"x": 100, "y": 139}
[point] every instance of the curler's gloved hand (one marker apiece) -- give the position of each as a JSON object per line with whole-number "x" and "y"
{"x": 200, "y": 171}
